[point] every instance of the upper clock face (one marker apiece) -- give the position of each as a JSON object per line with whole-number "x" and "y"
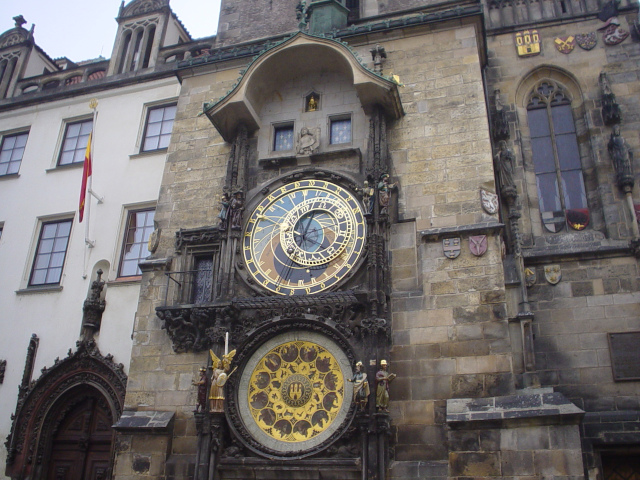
{"x": 304, "y": 237}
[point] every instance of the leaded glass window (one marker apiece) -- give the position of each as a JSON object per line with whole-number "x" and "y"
{"x": 556, "y": 158}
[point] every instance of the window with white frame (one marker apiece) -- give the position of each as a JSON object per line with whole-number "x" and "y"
{"x": 135, "y": 243}
{"x": 74, "y": 145}
{"x": 11, "y": 152}
{"x": 157, "y": 130}
{"x": 50, "y": 253}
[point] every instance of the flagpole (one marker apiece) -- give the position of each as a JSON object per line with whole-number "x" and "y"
{"x": 93, "y": 104}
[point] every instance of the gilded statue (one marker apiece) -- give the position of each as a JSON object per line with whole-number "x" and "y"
{"x": 219, "y": 376}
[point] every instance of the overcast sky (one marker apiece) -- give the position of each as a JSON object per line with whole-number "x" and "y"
{"x": 81, "y": 29}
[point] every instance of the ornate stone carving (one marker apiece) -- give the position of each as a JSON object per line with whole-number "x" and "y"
{"x": 378, "y": 54}
{"x": 611, "y": 113}
{"x": 94, "y": 306}
{"x": 499, "y": 120}
{"x": 622, "y": 157}
{"x": 308, "y": 141}
{"x": 87, "y": 366}
{"x": 196, "y": 236}
{"x": 3, "y": 368}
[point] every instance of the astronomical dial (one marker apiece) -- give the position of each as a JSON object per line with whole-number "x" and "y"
{"x": 293, "y": 394}
{"x": 304, "y": 237}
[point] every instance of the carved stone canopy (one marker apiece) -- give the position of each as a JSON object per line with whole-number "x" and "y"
{"x": 302, "y": 54}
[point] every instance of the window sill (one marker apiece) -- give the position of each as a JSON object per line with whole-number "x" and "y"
{"x": 40, "y": 289}
{"x": 7, "y": 176}
{"x": 69, "y": 166}
{"x": 122, "y": 281}
{"x": 150, "y": 153}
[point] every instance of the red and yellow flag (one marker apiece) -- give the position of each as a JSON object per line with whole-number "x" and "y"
{"x": 86, "y": 173}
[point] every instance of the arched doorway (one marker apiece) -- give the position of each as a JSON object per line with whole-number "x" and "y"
{"x": 62, "y": 426}
{"x": 80, "y": 446}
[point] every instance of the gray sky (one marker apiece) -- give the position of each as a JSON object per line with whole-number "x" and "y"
{"x": 81, "y": 29}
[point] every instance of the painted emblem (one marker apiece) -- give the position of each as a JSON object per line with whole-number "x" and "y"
{"x": 530, "y": 277}
{"x": 565, "y": 44}
{"x": 478, "y": 245}
{"x": 528, "y": 43}
{"x": 489, "y": 201}
{"x": 553, "y": 274}
{"x": 613, "y": 34}
{"x": 578, "y": 218}
{"x": 587, "y": 41}
{"x": 553, "y": 221}
{"x": 451, "y": 247}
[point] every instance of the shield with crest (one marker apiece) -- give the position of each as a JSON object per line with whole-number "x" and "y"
{"x": 478, "y": 245}
{"x": 587, "y": 41}
{"x": 553, "y": 274}
{"x": 489, "y": 201}
{"x": 451, "y": 247}
{"x": 565, "y": 44}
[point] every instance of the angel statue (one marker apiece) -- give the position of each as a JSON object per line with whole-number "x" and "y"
{"x": 219, "y": 377}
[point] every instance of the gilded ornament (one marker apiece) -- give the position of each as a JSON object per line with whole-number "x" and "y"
{"x": 295, "y": 391}
{"x": 528, "y": 43}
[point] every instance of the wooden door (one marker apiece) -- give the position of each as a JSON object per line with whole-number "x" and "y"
{"x": 81, "y": 448}
{"x": 621, "y": 467}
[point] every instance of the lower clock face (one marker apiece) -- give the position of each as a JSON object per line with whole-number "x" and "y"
{"x": 292, "y": 392}
{"x": 304, "y": 237}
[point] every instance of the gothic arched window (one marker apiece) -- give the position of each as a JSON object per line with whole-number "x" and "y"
{"x": 556, "y": 158}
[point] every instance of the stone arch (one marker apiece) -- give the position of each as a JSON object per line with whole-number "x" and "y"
{"x": 42, "y": 405}
{"x": 309, "y": 54}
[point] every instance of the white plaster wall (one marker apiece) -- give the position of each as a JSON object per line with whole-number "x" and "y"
{"x": 122, "y": 177}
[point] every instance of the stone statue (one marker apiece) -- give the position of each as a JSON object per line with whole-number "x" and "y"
{"x": 202, "y": 390}
{"x": 368, "y": 198}
{"x": 236, "y": 208}
{"x": 219, "y": 377}
{"x": 308, "y": 141}
{"x": 622, "y": 157}
{"x": 361, "y": 389}
{"x": 384, "y": 192}
{"x": 504, "y": 160}
{"x": 611, "y": 113}
{"x": 383, "y": 379}
{"x": 499, "y": 120}
{"x": 224, "y": 211}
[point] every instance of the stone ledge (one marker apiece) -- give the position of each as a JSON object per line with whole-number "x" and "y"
{"x": 149, "y": 265}
{"x": 246, "y": 468}
{"x": 145, "y": 422}
{"x": 434, "y": 234}
{"x": 532, "y": 406}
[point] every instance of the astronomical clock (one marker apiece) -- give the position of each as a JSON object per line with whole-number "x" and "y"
{"x": 299, "y": 288}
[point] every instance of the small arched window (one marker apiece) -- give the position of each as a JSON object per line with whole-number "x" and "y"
{"x": 556, "y": 158}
